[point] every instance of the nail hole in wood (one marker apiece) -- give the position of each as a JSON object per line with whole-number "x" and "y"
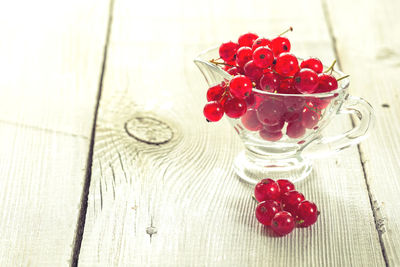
{"x": 384, "y": 105}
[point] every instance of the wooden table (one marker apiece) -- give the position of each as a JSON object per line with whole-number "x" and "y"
{"x": 76, "y": 188}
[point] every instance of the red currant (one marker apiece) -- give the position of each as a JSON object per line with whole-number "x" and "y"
{"x": 227, "y": 51}
{"x": 214, "y": 93}
{"x": 213, "y": 111}
{"x": 310, "y": 118}
{"x": 292, "y": 116}
{"x": 306, "y": 81}
{"x": 286, "y": 64}
{"x": 263, "y": 57}
{"x": 244, "y": 55}
{"x": 247, "y": 39}
{"x": 280, "y": 45}
{"x": 307, "y": 213}
{"x": 267, "y": 189}
{"x": 235, "y": 107}
{"x": 250, "y": 120}
{"x": 293, "y": 103}
{"x": 266, "y": 210}
{"x": 295, "y": 129}
{"x": 261, "y": 42}
{"x": 274, "y": 128}
{"x": 252, "y": 71}
{"x": 270, "y": 112}
{"x": 269, "y": 81}
{"x": 270, "y": 136}
{"x": 312, "y": 63}
{"x": 285, "y": 185}
{"x": 327, "y": 83}
{"x": 234, "y": 71}
{"x": 250, "y": 100}
{"x": 290, "y": 200}
{"x": 286, "y": 87}
{"x": 283, "y": 223}
{"x": 240, "y": 86}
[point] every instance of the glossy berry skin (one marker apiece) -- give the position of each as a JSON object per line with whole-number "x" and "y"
{"x": 286, "y": 86}
{"x": 267, "y": 189}
{"x": 285, "y": 185}
{"x": 240, "y": 86}
{"x": 247, "y": 39}
{"x": 234, "y": 71}
{"x": 261, "y": 42}
{"x": 294, "y": 103}
{"x": 227, "y": 51}
{"x": 213, "y": 111}
{"x": 270, "y": 112}
{"x": 280, "y": 45}
{"x": 313, "y": 64}
{"x": 214, "y": 93}
{"x": 306, "y": 214}
{"x": 295, "y": 129}
{"x": 290, "y": 200}
{"x": 286, "y": 64}
{"x": 269, "y": 81}
{"x": 310, "y": 118}
{"x": 244, "y": 55}
{"x": 306, "y": 81}
{"x": 326, "y": 83}
{"x": 235, "y": 107}
{"x": 266, "y": 210}
{"x": 263, "y": 57}
{"x": 252, "y": 71}
{"x": 270, "y": 136}
{"x": 283, "y": 223}
{"x": 275, "y": 128}
{"x": 250, "y": 120}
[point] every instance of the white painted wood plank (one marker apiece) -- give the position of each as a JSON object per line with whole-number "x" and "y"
{"x": 369, "y": 51}
{"x": 51, "y": 54}
{"x": 180, "y": 204}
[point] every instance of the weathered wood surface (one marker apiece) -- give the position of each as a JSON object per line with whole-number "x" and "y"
{"x": 367, "y": 38}
{"x": 51, "y": 55}
{"x": 179, "y": 203}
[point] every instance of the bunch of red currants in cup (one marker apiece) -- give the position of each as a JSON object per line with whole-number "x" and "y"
{"x": 282, "y": 207}
{"x": 267, "y": 65}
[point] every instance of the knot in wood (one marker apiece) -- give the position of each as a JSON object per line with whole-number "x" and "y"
{"x": 149, "y": 130}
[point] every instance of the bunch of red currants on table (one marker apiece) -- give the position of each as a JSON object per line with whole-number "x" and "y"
{"x": 282, "y": 207}
{"x": 267, "y": 65}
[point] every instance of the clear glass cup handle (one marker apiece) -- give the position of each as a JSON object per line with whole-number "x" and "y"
{"x": 324, "y": 146}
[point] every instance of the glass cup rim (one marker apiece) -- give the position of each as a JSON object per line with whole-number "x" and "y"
{"x": 342, "y": 84}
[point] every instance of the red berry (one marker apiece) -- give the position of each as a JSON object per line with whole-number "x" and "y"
{"x": 261, "y": 42}
{"x": 213, "y": 111}
{"x": 270, "y": 112}
{"x": 252, "y": 71}
{"x": 269, "y": 81}
{"x": 266, "y": 210}
{"x": 286, "y": 64}
{"x": 250, "y": 100}
{"x": 247, "y": 39}
{"x": 240, "y": 86}
{"x": 280, "y": 45}
{"x": 214, "y": 93}
{"x": 295, "y": 129}
{"x": 275, "y": 128}
{"x": 320, "y": 103}
{"x": 312, "y": 63}
{"x": 294, "y": 103}
{"x": 306, "y": 81}
{"x": 286, "y": 86}
{"x": 292, "y": 116}
{"x": 227, "y": 51}
{"x": 267, "y": 189}
{"x": 263, "y": 57}
{"x": 290, "y": 200}
{"x": 310, "y": 118}
{"x": 307, "y": 213}
{"x": 270, "y": 136}
{"x": 282, "y": 223}
{"x": 234, "y": 71}
{"x": 285, "y": 185}
{"x": 244, "y": 55}
{"x": 235, "y": 107}
{"x": 326, "y": 83}
{"x": 250, "y": 120}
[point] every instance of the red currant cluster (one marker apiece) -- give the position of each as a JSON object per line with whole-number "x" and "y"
{"x": 267, "y": 65}
{"x": 282, "y": 207}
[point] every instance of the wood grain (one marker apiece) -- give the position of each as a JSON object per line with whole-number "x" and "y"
{"x": 51, "y": 55}
{"x": 369, "y": 52}
{"x": 179, "y": 203}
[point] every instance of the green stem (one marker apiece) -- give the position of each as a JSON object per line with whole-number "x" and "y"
{"x": 343, "y": 77}
{"x": 288, "y": 30}
{"x": 331, "y": 66}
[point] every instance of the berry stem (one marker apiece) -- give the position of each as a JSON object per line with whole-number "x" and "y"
{"x": 288, "y": 30}
{"x": 214, "y": 61}
{"x": 330, "y": 67}
{"x": 343, "y": 77}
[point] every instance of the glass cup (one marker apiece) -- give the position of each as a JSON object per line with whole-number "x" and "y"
{"x": 282, "y": 133}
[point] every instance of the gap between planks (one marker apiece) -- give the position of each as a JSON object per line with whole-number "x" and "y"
{"x": 377, "y": 219}
{"x": 85, "y": 191}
